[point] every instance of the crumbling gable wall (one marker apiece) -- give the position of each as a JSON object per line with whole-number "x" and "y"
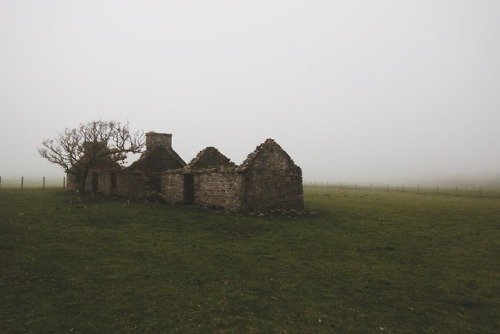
{"x": 272, "y": 180}
{"x": 207, "y": 158}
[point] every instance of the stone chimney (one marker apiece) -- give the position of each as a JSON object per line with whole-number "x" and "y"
{"x": 158, "y": 140}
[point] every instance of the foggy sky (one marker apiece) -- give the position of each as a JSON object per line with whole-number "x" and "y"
{"x": 354, "y": 91}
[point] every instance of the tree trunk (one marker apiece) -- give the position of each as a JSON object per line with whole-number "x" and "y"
{"x": 83, "y": 180}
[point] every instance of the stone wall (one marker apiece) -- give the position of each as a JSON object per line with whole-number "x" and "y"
{"x": 107, "y": 182}
{"x": 132, "y": 185}
{"x": 71, "y": 183}
{"x": 219, "y": 190}
{"x": 273, "y": 182}
{"x": 209, "y": 158}
{"x": 98, "y": 181}
{"x": 172, "y": 185}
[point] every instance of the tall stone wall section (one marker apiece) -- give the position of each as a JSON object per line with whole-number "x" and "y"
{"x": 273, "y": 183}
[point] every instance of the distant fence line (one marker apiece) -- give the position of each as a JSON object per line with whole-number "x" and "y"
{"x": 42, "y": 182}
{"x": 463, "y": 190}
{"x": 476, "y": 190}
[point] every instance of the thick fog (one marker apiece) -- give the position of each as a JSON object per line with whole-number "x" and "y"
{"x": 354, "y": 91}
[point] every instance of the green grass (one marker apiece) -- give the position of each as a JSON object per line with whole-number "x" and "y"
{"x": 367, "y": 261}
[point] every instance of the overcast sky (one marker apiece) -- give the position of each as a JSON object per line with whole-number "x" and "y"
{"x": 354, "y": 91}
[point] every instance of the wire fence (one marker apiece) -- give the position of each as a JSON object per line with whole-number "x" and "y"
{"x": 33, "y": 182}
{"x": 492, "y": 190}
{"x": 459, "y": 190}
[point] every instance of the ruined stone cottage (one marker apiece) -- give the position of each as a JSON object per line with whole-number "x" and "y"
{"x": 142, "y": 178}
{"x": 267, "y": 180}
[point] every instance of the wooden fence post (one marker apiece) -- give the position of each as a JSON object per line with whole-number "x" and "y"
{"x": 0, "y": 181}
{"x": 43, "y": 183}
{"x": 64, "y": 182}
{"x": 22, "y": 182}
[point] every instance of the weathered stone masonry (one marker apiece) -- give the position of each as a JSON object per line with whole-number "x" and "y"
{"x": 267, "y": 180}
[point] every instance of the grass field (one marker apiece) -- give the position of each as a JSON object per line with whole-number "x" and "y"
{"x": 366, "y": 261}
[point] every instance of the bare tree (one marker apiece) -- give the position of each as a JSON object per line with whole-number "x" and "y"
{"x": 90, "y": 145}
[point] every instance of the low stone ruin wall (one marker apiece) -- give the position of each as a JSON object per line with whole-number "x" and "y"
{"x": 132, "y": 185}
{"x": 219, "y": 190}
{"x": 172, "y": 187}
